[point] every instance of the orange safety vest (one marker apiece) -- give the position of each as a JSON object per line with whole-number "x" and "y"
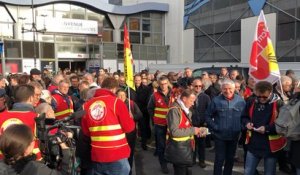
{"x": 276, "y": 142}
{"x": 63, "y": 109}
{"x": 161, "y": 109}
{"x": 105, "y": 130}
{"x": 8, "y": 118}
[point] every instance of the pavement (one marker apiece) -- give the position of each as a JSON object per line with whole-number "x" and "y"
{"x": 145, "y": 163}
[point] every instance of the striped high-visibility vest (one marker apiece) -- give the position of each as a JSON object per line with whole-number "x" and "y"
{"x": 104, "y": 128}
{"x": 8, "y": 118}
{"x": 64, "y": 108}
{"x": 276, "y": 142}
{"x": 161, "y": 109}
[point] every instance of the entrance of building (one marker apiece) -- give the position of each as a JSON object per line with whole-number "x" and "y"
{"x": 72, "y": 65}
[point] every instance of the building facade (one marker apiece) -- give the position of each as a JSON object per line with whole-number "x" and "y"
{"x": 83, "y": 34}
{"x": 224, "y": 30}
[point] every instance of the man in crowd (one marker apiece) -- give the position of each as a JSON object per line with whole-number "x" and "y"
{"x": 36, "y": 75}
{"x": 143, "y": 93}
{"x": 188, "y": 73}
{"x": 22, "y": 113}
{"x": 223, "y": 117}
{"x": 73, "y": 90}
{"x": 158, "y": 107}
{"x": 54, "y": 83}
{"x": 90, "y": 78}
{"x": 198, "y": 119}
{"x": 62, "y": 103}
{"x": 105, "y": 123}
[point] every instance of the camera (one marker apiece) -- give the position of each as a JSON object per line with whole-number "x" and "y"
{"x": 52, "y": 133}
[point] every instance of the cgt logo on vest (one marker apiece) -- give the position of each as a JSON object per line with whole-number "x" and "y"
{"x": 98, "y": 110}
{"x": 7, "y": 123}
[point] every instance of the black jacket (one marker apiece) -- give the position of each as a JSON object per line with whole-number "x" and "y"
{"x": 31, "y": 167}
{"x": 199, "y": 108}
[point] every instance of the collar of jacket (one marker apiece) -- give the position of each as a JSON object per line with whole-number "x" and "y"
{"x": 103, "y": 92}
{"x": 22, "y": 107}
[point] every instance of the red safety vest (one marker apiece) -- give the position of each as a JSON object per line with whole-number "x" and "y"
{"x": 8, "y": 118}
{"x": 184, "y": 124}
{"x": 62, "y": 109}
{"x": 161, "y": 109}
{"x": 276, "y": 142}
{"x": 108, "y": 140}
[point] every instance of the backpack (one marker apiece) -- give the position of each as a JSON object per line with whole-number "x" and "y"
{"x": 288, "y": 120}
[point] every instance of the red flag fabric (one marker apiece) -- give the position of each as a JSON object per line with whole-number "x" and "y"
{"x": 263, "y": 63}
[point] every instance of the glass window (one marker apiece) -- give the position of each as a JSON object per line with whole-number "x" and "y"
{"x": 80, "y": 39}
{"x": 156, "y": 25}
{"x": 151, "y": 54}
{"x": 63, "y": 38}
{"x": 283, "y": 18}
{"x": 236, "y": 38}
{"x": 63, "y": 48}
{"x": 12, "y": 49}
{"x": 50, "y": 65}
{"x": 120, "y": 50}
{"x": 28, "y": 50}
{"x": 146, "y": 38}
{"x": 218, "y": 4}
{"x": 47, "y": 50}
{"x": 146, "y": 25}
{"x": 143, "y": 52}
{"x": 156, "y": 15}
{"x": 107, "y": 36}
{"x": 157, "y": 39}
{"x": 286, "y": 31}
{"x": 79, "y": 49}
{"x": 135, "y": 37}
{"x": 134, "y": 24}
{"x": 48, "y": 38}
{"x": 78, "y": 15}
{"x": 107, "y": 24}
{"x": 146, "y": 15}
{"x": 62, "y": 14}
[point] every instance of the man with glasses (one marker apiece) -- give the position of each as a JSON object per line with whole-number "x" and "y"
{"x": 198, "y": 119}
{"x": 158, "y": 107}
{"x": 261, "y": 139}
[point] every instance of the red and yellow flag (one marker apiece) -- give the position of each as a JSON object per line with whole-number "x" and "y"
{"x": 263, "y": 62}
{"x": 128, "y": 60}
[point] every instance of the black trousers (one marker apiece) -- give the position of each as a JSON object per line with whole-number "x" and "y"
{"x": 182, "y": 170}
{"x": 144, "y": 127}
{"x": 131, "y": 139}
{"x": 199, "y": 149}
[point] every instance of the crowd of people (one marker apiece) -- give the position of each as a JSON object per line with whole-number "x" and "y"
{"x": 186, "y": 114}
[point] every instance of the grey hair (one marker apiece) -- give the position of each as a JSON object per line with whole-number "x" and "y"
{"x": 227, "y": 82}
{"x": 285, "y": 79}
{"x": 90, "y": 93}
{"x": 42, "y": 108}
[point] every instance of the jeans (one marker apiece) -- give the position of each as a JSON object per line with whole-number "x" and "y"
{"x": 160, "y": 140}
{"x": 252, "y": 161}
{"x": 120, "y": 167}
{"x": 225, "y": 151}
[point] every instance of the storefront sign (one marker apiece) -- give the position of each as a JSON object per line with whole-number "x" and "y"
{"x": 28, "y": 64}
{"x": 63, "y": 25}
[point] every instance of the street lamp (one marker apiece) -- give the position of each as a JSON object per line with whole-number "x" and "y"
{"x": 34, "y": 30}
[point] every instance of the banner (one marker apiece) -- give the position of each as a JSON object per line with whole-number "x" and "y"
{"x": 128, "y": 60}
{"x": 263, "y": 62}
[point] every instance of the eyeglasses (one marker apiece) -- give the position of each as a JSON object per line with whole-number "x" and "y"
{"x": 198, "y": 86}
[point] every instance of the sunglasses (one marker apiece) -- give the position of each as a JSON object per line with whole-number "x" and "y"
{"x": 264, "y": 97}
{"x": 198, "y": 86}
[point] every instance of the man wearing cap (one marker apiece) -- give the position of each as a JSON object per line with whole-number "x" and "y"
{"x": 35, "y": 75}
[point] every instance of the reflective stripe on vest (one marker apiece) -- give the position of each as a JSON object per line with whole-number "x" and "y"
{"x": 108, "y": 138}
{"x": 105, "y": 128}
{"x": 64, "y": 112}
{"x": 161, "y": 112}
{"x": 182, "y": 139}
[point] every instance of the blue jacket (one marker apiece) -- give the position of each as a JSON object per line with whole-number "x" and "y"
{"x": 223, "y": 116}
